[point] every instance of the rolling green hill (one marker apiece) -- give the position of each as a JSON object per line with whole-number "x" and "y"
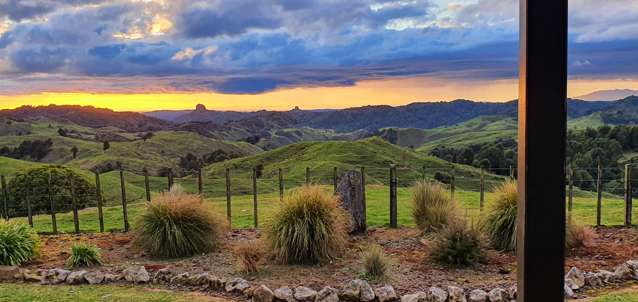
{"x": 375, "y": 154}
{"x": 162, "y": 150}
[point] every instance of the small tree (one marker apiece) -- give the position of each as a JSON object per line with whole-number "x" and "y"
{"x": 106, "y": 145}
{"x": 62, "y": 132}
{"x": 147, "y": 136}
{"x": 74, "y": 151}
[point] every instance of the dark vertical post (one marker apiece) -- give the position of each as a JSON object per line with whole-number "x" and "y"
{"x": 169, "y": 179}
{"x": 542, "y": 122}
{"x": 453, "y": 183}
{"x": 29, "y": 212}
{"x": 570, "y": 196}
{"x": 599, "y": 201}
{"x": 335, "y": 179}
{"x": 54, "y": 221}
{"x": 307, "y": 175}
{"x": 281, "y": 185}
{"x": 393, "y": 196}
{"x": 147, "y": 185}
{"x": 363, "y": 194}
{"x": 124, "y": 205}
{"x": 200, "y": 185}
{"x": 74, "y": 204}
{"x": 5, "y": 199}
{"x": 628, "y": 194}
{"x": 482, "y": 191}
{"x": 255, "y": 214}
{"x": 228, "y": 195}
{"x": 423, "y": 173}
{"x": 98, "y": 196}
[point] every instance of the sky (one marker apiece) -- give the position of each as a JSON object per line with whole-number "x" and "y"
{"x": 276, "y": 54}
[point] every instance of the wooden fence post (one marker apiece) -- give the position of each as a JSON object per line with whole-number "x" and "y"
{"x": 335, "y": 179}
{"x": 393, "y": 196}
{"x": 482, "y": 191}
{"x": 124, "y": 205}
{"x": 363, "y": 195}
{"x": 5, "y": 199}
{"x": 147, "y": 185}
{"x": 98, "y": 195}
{"x": 255, "y": 214}
{"x": 170, "y": 178}
{"x": 628, "y": 194}
{"x": 228, "y": 195}
{"x": 54, "y": 221}
{"x": 29, "y": 212}
{"x": 74, "y": 204}
{"x": 423, "y": 177}
{"x": 511, "y": 172}
{"x": 281, "y": 185}
{"x": 307, "y": 175}
{"x": 453, "y": 182}
{"x": 599, "y": 190}
{"x": 200, "y": 184}
{"x": 570, "y": 192}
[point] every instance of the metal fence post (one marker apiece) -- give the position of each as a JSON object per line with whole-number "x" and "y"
{"x": 393, "y": 196}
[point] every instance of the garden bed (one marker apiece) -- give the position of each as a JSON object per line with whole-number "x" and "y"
{"x": 410, "y": 269}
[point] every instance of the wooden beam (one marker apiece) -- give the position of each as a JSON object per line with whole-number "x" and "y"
{"x": 542, "y": 121}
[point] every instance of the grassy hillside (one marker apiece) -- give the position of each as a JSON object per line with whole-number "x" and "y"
{"x": 162, "y": 150}
{"x": 593, "y": 120}
{"x": 375, "y": 154}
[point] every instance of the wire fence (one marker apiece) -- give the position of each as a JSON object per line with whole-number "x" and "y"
{"x": 249, "y": 196}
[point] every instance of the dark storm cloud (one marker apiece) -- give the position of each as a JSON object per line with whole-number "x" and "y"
{"x": 39, "y": 59}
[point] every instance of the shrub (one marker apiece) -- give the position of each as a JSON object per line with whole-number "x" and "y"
{"x": 375, "y": 262}
{"x": 19, "y": 243}
{"x": 500, "y": 220}
{"x": 578, "y": 235}
{"x": 84, "y": 255}
{"x": 178, "y": 224}
{"x": 248, "y": 254}
{"x": 34, "y": 184}
{"x": 458, "y": 244}
{"x": 432, "y": 207}
{"x": 309, "y": 227}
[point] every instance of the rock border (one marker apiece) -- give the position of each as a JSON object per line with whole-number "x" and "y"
{"x": 356, "y": 290}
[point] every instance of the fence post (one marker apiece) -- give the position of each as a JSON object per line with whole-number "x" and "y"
{"x": 228, "y": 195}
{"x": 98, "y": 195}
{"x": 452, "y": 183}
{"x": 628, "y": 195}
{"x": 147, "y": 185}
{"x": 423, "y": 173}
{"x": 281, "y": 185}
{"x": 200, "y": 184}
{"x": 54, "y": 221}
{"x": 74, "y": 204}
{"x": 570, "y": 192}
{"x": 307, "y": 175}
{"x": 29, "y": 213}
{"x": 255, "y": 214}
{"x": 335, "y": 179}
{"x": 393, "y": 196}
{"x": 482, "y": 192}
{"x": 123, "y": 188}
{"x": 363, "y": 193}
{"x": 170, "y": 178}
{"x": 599, "y": 190}
{"x": 511, "y": 172}
{"x": 5, "y": 200}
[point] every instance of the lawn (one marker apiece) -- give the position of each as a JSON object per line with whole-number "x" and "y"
{"x": 106, "y": 293}
{"x": 378, "y": 209}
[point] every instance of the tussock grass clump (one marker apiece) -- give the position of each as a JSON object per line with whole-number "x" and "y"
{"x": 375, "y": 263}
{"x": 178, "y": 224}
{"x": 248, "y": 254}
{"x": 578, "y": 235}
{"x": 432, "y": 207}
{"x": 308, "y": 228}
{"x": 458, "y": 244}
{"x": 84, "y": 255}
{"x": 500, "y": 220}
{"x": 19, "y": 243}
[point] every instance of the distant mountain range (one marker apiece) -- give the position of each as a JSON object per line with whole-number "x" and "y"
{"x": 608, "y": 95}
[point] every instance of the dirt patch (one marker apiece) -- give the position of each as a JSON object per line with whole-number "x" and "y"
{"x": 410, "y": 269}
